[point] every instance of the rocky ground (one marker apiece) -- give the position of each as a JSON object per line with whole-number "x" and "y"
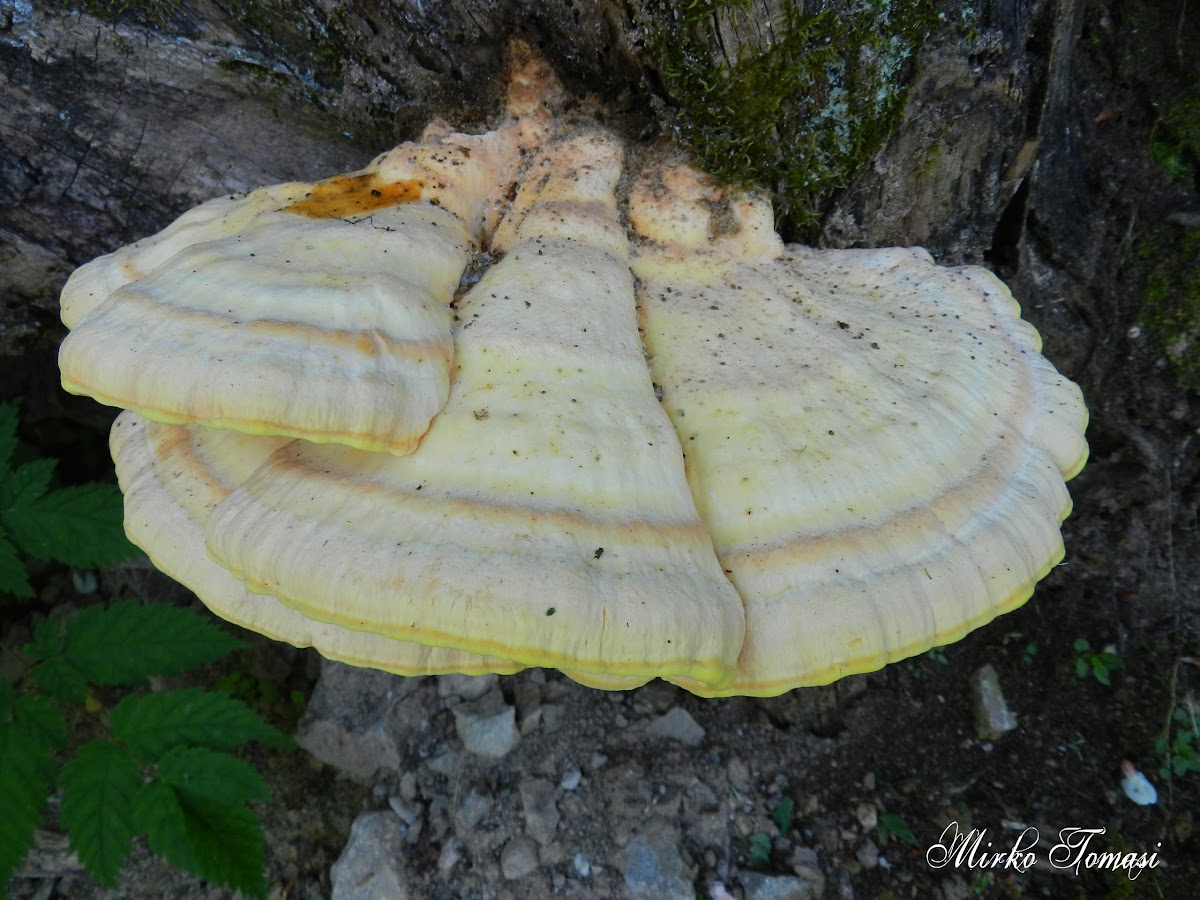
{"x": 532, "y": 786}
{"x": 1033, "y": 146}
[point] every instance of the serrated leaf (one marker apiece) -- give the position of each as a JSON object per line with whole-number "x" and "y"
{"x": 23, "y": 486}
{"x": 80, "y": 526}
{"x": 219, "y": 842}
{"x": 158, "y": 814}
{"x": 13, "y": 577}
{"x": 203, "y": 774}
{"x": 127, "y": 642}
{"x": 61, "y": 680}
{"x": 47, "y": 639}
{"x": 153, "y": 724}
{"x": 26, "y": 770}
{"x": 8, "y": 433}
{"x": 98, "y": 786}
{"x": 42, "y": 718}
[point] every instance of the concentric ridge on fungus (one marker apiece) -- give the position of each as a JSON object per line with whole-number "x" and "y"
{"x": 650, "y": 441}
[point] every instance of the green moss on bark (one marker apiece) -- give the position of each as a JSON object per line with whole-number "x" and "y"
{"x": 1171, "y": 303}
{"x": 797, "y": 104}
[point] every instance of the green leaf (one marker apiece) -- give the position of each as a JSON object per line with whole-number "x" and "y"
{"x": 758, "y": 850}
{"x": 98, "y": 786}
{"x": 200, "y": 774}
{"x": 781, "y": 815}
{"x": 158, "y": 814}
{"x": 1100, "y": 672}
{"x": 220, "y": 842}
{"x": 80, "y": 526}
{"x": 1081, "y": 668}
{"x": 26, "y": 484}
{"x": 893, "y": 825}
{"x": 127, "y": 642}
{"x": 42, "y": 718}
{"x": 13, "y": 577}
{"x": 151, "y": 725}
{"x": 47, "y": 639}
{"x": 61, "y": 680}
{"x": 8, "y": 432}
{"x": 26, "y": 771}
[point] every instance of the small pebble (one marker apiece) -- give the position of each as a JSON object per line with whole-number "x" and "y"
{"x": 519, "y": 858}
{"x": 1137, "y": 787}
{"x": 583, "y": 865}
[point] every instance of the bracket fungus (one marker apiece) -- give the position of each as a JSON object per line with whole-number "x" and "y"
{"x": 641, "y": 438}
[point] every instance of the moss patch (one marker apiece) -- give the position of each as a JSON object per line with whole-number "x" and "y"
{"x": 1171, "y": 303}
{"x": 797, "y": 104}
{"x": 1176, "y": 141}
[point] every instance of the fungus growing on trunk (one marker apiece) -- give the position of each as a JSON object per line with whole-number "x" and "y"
{"x": 649, "y": 441}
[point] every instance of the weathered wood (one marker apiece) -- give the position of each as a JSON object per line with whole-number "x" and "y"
{"x": 108, "y": 130}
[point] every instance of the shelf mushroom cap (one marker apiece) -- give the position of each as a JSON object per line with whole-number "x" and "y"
{"x": 318, "y": 311}
{"x": 874, "y": 442}
{"x": 173, "y": 476}
{"x": 651, "y": 440}
{"x": 545, "y": 518}
{"x": 93, "y": 283}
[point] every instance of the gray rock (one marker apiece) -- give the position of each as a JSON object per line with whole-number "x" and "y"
{"x": 527, "y": 696}
{"x": 445, "y": 761}
{"x": 658, "y": 696}
{"x": 346, "y": 724}
{"x": 676, "y": 724}
{"x": 370, "y": 867}
{"x": 867, "y": 815}
{"x": 780, "y": 887}
{"x": 582, "y": 864}
{"x": 409, "y": 812}
{"x": 993, "y": 718}
{"x": 807, "y": 865}
{"x": 519, "y": 858}
{"x": 654, "y": 864}
{"x": 487, "y": 726}
{"x": 541, "y": 813}
{"x": 867, "y": 854}
{"x": 472, "y": 810}
{"x": 408, "y": 786}
{"x": 465, "y": 687}
{"x": 452, "y": 854}
{"x": 551, "y": 717}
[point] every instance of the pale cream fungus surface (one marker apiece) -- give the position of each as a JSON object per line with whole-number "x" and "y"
{"x": 642, "y": 438}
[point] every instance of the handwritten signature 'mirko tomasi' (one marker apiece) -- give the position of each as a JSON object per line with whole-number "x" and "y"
{"x": 973, "y": 850}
